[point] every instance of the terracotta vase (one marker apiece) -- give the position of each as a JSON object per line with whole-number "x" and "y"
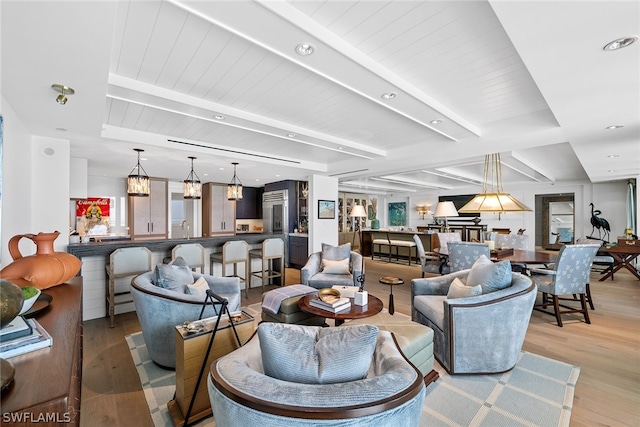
{"x": 45, "y": 268}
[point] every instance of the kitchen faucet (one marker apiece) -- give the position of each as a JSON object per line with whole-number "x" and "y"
{"x": 185, "y": 222}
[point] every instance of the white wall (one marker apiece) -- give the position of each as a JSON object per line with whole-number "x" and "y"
{"x": 322, "y": 230}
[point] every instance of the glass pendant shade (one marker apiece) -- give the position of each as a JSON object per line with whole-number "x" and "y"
{"x": 234, "y": 189}
{"x": 493, "y": 197}
{"x": 192, "y": 187}
{"x": 138, "y": 180}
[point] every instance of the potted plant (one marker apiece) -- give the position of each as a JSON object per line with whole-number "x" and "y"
{"x": 371, "y": 214}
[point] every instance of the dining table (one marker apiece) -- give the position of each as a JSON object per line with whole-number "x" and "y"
{"x": 520, "y": 256}
{"x": 623, "y": 255}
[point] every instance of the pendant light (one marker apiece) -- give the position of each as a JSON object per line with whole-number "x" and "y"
{"x": 234, "y": 189}
{"x": 138, "y": 182}
{"x": 192, "y": 187}
{"x": 493, "y": 198}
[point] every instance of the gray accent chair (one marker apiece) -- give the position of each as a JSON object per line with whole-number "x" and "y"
{"x": 479, "y": 334}
{"x": 462, "y": 255}
{"x": 570, "y": 276}
{"x": 160, "y": 310}
{"x": 430, "y": 262}
{"x": 392, "y": 393}
{"x": 311, "y": 274}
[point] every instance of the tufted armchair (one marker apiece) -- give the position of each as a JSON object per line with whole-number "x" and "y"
{"x": 390, "y": 394}
{"x": 476, "y": 334}
{"x": 316, "y": 274}
{"x": 160, "y": 310}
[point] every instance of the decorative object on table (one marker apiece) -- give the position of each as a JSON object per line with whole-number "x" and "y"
{"x": 17, "y": 328}
{"x": 361, "y": 298}
{"x": 372, "y": 211}
{"x": 599, "y": 223}
{"x": 493, "y": 197}
{"x": 11, "y": 300}
{"x": 234, "y": 189}
{"x": 444, "y": 210}
{"x": 326, "y": 209}
{"x": 7, "y": 372}
{"x": 37, "y": 339}
{"x": 30, "y": 295}
{"x": 328, "y": 295}
{"x": 330, "y": 299}
{"x": 45, "y": 268}
{"x": 397, "y": 213}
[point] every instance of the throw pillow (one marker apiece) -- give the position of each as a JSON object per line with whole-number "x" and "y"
{"x": 459, "y": 290}
{"x": 198, "y": 288}
{"x": 315, "y": 355}
{"x": 335, "y": 267}
{"x": 492, "y": 276}
{"x": 175, "y": 275}
{"x": 336, "y": 253}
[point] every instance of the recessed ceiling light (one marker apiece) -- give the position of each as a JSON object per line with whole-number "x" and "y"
{"x": 340, "y": 148}
{"x": 611, "y": 170}
{"x": 220, "y": 169}
{"x": 277, "y": 175}
{"x": 613, "y": 156}
{"x": 205, "y": 174}
{"x": 435, "y": 122}
{"x": 219, "y": 117}
{"x": 620, "y": 43}
{"x": 61, "y": 129}
{"x": 304, "y": 49}
{"x": 614, "y": 127}
{"x": 291, "y": 135}
{"x": 389, "y": 95}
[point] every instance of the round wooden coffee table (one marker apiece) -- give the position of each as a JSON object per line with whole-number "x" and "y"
{"x": 391, "y": 281}
{"x": 374, "y": 306}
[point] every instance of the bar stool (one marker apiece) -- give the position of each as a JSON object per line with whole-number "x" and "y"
{"x": 191, "y": 253}
{"x": 381, "y": 239}
{"x": 272, "y": 250}
{"x": 233, "y": 252}
{"x": 123, "y": 263}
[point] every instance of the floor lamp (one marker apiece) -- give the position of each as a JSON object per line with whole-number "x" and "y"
{"x": 444, "y": 210}
{"x": 357, "y": 211}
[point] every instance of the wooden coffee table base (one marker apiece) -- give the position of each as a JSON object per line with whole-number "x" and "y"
{"x": 374, "y": 306}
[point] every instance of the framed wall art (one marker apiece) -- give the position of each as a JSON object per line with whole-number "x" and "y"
{"x": 326, "y": 209}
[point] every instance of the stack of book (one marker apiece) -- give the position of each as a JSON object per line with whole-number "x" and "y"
{"x": 24, "y": 336}
{"x": 333, "y": 305}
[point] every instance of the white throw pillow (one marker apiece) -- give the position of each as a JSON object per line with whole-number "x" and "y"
{"x": 199, "y": 288}
{"x": 335, "y": 267}
{"x": 460, "y": 290}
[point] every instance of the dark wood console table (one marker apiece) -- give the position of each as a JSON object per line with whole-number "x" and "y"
{"x": 46, "y": 388}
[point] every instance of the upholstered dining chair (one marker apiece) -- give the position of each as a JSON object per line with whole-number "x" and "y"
{"x": 515, "y": 241}
{"x": 601, "y": 263}
{"x": 443, "y": 239}
{"x": 569, "y": 276}
{"x": 431, "y": 262}
{"x": 462, "y": 255}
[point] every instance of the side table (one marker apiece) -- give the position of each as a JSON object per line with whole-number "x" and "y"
{"x": 391, "y": 281}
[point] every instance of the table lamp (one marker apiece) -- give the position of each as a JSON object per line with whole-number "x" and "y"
{"x": 444, "y": 210}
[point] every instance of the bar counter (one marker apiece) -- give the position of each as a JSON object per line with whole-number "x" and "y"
{"x": 164, "y": 245}
{"x": 95, "y": 255}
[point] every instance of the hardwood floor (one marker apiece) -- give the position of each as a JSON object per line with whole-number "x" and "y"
{"x": 607, "y": 351}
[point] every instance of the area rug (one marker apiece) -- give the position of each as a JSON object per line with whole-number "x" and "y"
{"x": 537, "y": 392}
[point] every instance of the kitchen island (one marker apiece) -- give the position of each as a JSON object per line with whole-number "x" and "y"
{"x": 95, "y": 255}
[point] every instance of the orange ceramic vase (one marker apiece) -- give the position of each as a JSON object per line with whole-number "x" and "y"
{"x": 45, "y": 268}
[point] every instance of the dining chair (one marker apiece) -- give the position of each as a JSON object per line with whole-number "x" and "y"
{"x": 431, "y": 262}
{"x": 443, "y": 239}
{"x": 570, "y": 276}
{"x": 462, "y": 255}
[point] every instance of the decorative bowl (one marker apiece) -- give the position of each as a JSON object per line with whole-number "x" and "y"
{"x": 328, "y": 294}
{"x": 28, "y": 303}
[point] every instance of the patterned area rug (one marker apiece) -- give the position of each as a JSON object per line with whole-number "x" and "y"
{"x": 537, "y": 392}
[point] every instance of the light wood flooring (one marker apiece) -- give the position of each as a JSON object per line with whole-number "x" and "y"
{"x": 607, "y": 351}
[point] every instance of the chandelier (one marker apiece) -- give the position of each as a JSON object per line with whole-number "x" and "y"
{"x": 234, "y": 189}
{"x": 493, "y": 197}
{"x": 192, "y": 187}
{"x": 138, "y": 180}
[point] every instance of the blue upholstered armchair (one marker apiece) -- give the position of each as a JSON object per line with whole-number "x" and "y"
{"x": 319, "y": 274}
{"x": 476, "y": 334}
{"x": 160, "y": 310}
{"x": 391, "y": 392}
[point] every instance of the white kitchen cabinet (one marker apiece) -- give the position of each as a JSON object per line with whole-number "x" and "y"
{"x": 218, "y": 213}
{"x": 148, "y": 215}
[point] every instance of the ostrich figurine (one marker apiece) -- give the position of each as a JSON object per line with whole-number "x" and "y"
{"x": 599, "y": 223}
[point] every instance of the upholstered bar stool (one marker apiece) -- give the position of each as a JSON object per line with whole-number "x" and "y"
{"x": 192, "y": 253}
{"x": 124, "y": 263}
{"x": 233, "y": 252}
{"x": 272, "y": 250}
{"x": 381, "y": 239}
